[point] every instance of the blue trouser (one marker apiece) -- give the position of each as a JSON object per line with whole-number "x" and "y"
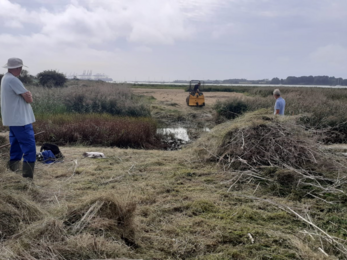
{"x": 23, "y": 144}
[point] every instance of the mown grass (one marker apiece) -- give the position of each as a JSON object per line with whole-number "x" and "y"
{"x": 183, "y": 211}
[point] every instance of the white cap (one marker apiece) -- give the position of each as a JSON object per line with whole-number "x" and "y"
{"x": 14, "y": 63}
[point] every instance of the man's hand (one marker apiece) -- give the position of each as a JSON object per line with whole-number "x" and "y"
{"x": 27, "y": 97}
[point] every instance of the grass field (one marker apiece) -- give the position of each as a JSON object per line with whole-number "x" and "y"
{"x": 256, "y": 187}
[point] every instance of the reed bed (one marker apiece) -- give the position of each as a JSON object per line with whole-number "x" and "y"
{"x": 93, "y": 113}
{"x": 88, "y": 97}
{"x": 98, "y": 129}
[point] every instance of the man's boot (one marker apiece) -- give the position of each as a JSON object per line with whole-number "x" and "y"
{"x": 13, "y": 165}
{"x": 28, "y": 170}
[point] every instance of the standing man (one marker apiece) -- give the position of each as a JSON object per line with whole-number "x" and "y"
{"x": 280, "y": 103}
{"x": 16, "y": 112}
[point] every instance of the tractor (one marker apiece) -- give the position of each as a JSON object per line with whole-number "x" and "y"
{"x": 196, "y": 98}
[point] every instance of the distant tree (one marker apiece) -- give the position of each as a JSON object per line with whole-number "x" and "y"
{"x": 310, "y": 80}
{"x": 321, "y": 80}
{"x": 339, "y": 81}
{"x": 303, "y": 80}
{"x": 291, "y": 80}
{"x": 275, "y": 81}
{"x": 51, "y": 78}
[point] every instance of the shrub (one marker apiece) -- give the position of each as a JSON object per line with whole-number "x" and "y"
{"x": 51, "y": 78}
{"x": 231, "y": 109}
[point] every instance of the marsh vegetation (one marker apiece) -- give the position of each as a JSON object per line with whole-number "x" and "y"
{"x": 254, "y": 187}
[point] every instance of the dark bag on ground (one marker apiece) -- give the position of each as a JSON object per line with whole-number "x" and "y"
{"x": 53, "y": 148}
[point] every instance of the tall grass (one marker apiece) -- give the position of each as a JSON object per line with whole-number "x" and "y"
{"x": 320, "y": 108}
{"x": 98, "y": 129}
{"x": 88, "y": 97}
{"x": 93, "y": 113}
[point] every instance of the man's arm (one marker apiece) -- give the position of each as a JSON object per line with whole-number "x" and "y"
{"x": 277, "y": 112}
{"x": 27, "y": 97}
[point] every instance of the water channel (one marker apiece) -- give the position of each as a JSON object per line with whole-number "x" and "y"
{"x": 179, "y": 132}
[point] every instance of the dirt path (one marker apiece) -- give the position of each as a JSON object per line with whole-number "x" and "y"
{"x": 170, "y": 108}
{"x": 178, "y": 96}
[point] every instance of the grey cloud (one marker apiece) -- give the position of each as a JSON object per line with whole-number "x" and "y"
{"x": 179, "y": 39}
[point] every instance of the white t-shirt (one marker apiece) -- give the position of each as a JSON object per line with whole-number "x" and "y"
{"x": 15, "y": 111}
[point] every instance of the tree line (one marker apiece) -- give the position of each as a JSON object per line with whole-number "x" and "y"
{"x": 291, "y": 80}
{"x": 310, "y": 80}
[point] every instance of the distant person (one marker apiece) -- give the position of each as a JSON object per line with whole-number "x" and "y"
{"x": 197, "y": 87}
{"x": 16, "y": 112}
{"x": 280, "y": 103}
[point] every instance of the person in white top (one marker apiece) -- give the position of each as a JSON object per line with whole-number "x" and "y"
{"x": 16, "y": 112}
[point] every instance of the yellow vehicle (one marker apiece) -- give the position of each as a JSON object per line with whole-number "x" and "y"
{"x": 196, "y": 98}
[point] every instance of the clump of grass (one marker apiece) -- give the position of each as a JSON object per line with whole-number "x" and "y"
{"x": 258, "y": 139}
{"x": 93, "y": 129}
{"x": 16, "y": 210}
{"x": 101, "y": 226}
{"x": 274, "y": 143}
{"x": 114, "y": 217}
{"x": 49, "y": 239}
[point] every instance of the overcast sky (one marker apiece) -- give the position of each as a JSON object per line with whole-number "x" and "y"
{"x": 177, "y": 39}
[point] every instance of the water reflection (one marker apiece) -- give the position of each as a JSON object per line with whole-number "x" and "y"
{"x": 179, "y": 132}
